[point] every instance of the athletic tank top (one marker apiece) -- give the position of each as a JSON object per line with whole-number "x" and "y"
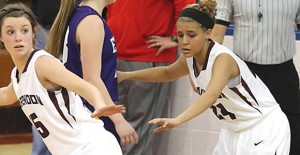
{"x": 245, "y": 99}
{"x": 71, "y": 52}
{"x": 59, "y": 116}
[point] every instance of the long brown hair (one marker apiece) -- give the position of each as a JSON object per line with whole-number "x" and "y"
{"x": 17, "y": 10}
{"x": 57, "y": 32}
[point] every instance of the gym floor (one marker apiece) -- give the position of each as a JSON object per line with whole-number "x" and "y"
{"x": 15, "y": 149}
{"x": 18, "y": 144}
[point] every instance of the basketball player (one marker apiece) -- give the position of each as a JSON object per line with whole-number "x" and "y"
{"x": 41, "y": 84}
{"x": 254, "y": 122}
{"x": 264, "y": 37}
{"x": 89, "y": 51}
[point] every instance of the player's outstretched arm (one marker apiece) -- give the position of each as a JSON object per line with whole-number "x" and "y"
{"x": 52, "y": 73}
{"x": 7, "y": 95}
{"x": 157, "y": 74}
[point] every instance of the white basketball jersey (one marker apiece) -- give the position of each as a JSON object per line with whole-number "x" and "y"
{"x": 245, "y": 99}
{"x": 59, "y": 116}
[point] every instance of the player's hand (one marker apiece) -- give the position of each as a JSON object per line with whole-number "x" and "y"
{"x": 166, "y": 124}
{"x": 126, "y": 132}
{"x": 108, "y": 110}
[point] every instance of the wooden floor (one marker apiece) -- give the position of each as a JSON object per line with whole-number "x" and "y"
{"x": 16, "y": 144}
{"x": 15, "y": 149}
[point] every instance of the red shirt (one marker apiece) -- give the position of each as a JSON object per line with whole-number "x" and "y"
{"x": 133, "y": 21}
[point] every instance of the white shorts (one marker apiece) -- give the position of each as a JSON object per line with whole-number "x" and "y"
{"x": 102, "y": 143}
{"x": 268, "y": 137}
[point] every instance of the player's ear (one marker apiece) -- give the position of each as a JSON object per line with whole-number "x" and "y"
{"x": 208, "y": 33}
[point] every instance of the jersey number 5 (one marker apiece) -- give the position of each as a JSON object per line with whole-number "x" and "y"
{"x": 39, "y": 126}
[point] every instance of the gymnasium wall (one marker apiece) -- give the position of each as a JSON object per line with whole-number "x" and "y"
{"x": 198, "y": 136}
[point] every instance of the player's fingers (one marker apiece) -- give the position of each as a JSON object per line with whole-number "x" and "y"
{"x": 127, "y": 140}
{"x": 165, "y": 124}
{"x": 132, "y": 140}
{"x": 154, "y": 121}
{"x": 157, "y": 121}
{"x": 159, "y": 129}
{"x": 135, "y": 137}
{"x": 120, "y": 109}
{"x": 120, "y": 106}
{"x": 108, "y": 110}
{"x": 123, "y": 141}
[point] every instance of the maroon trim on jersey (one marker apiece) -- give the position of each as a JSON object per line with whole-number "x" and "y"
{"x": 67, "y": 101}
{"x": 196, "y": 70}
{"x": 210, "y": 46}
{"x": 17, "y": 75}
{"x": 55, "y": 102}
{"x": 30, "y": 57}
{"x": 26, "y": 66}
{"x": 244, "y": 84}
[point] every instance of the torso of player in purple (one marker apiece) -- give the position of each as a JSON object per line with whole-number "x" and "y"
{"x": 71, "y": 52}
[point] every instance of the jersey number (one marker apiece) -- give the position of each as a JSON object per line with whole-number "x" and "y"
{"x": 39, "y": 126}
{"x": 222, "y": 112}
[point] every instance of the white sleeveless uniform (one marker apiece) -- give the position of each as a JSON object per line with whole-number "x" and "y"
{"x": 254, "y": 122}
{"x": 60, "y": 117}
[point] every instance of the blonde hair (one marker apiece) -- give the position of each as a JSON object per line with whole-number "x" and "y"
{"x": 208, "y": 7}
{"x": 57, "y": 32}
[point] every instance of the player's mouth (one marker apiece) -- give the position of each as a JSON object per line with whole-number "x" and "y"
{"x": 19, "y": 46}
{"x": 185, "y": 50}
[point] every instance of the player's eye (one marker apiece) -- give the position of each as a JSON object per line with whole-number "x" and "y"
{"x": 192, "y": 35}
{"x": 25, "y": 31}
{"x": 10, "y": 32}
